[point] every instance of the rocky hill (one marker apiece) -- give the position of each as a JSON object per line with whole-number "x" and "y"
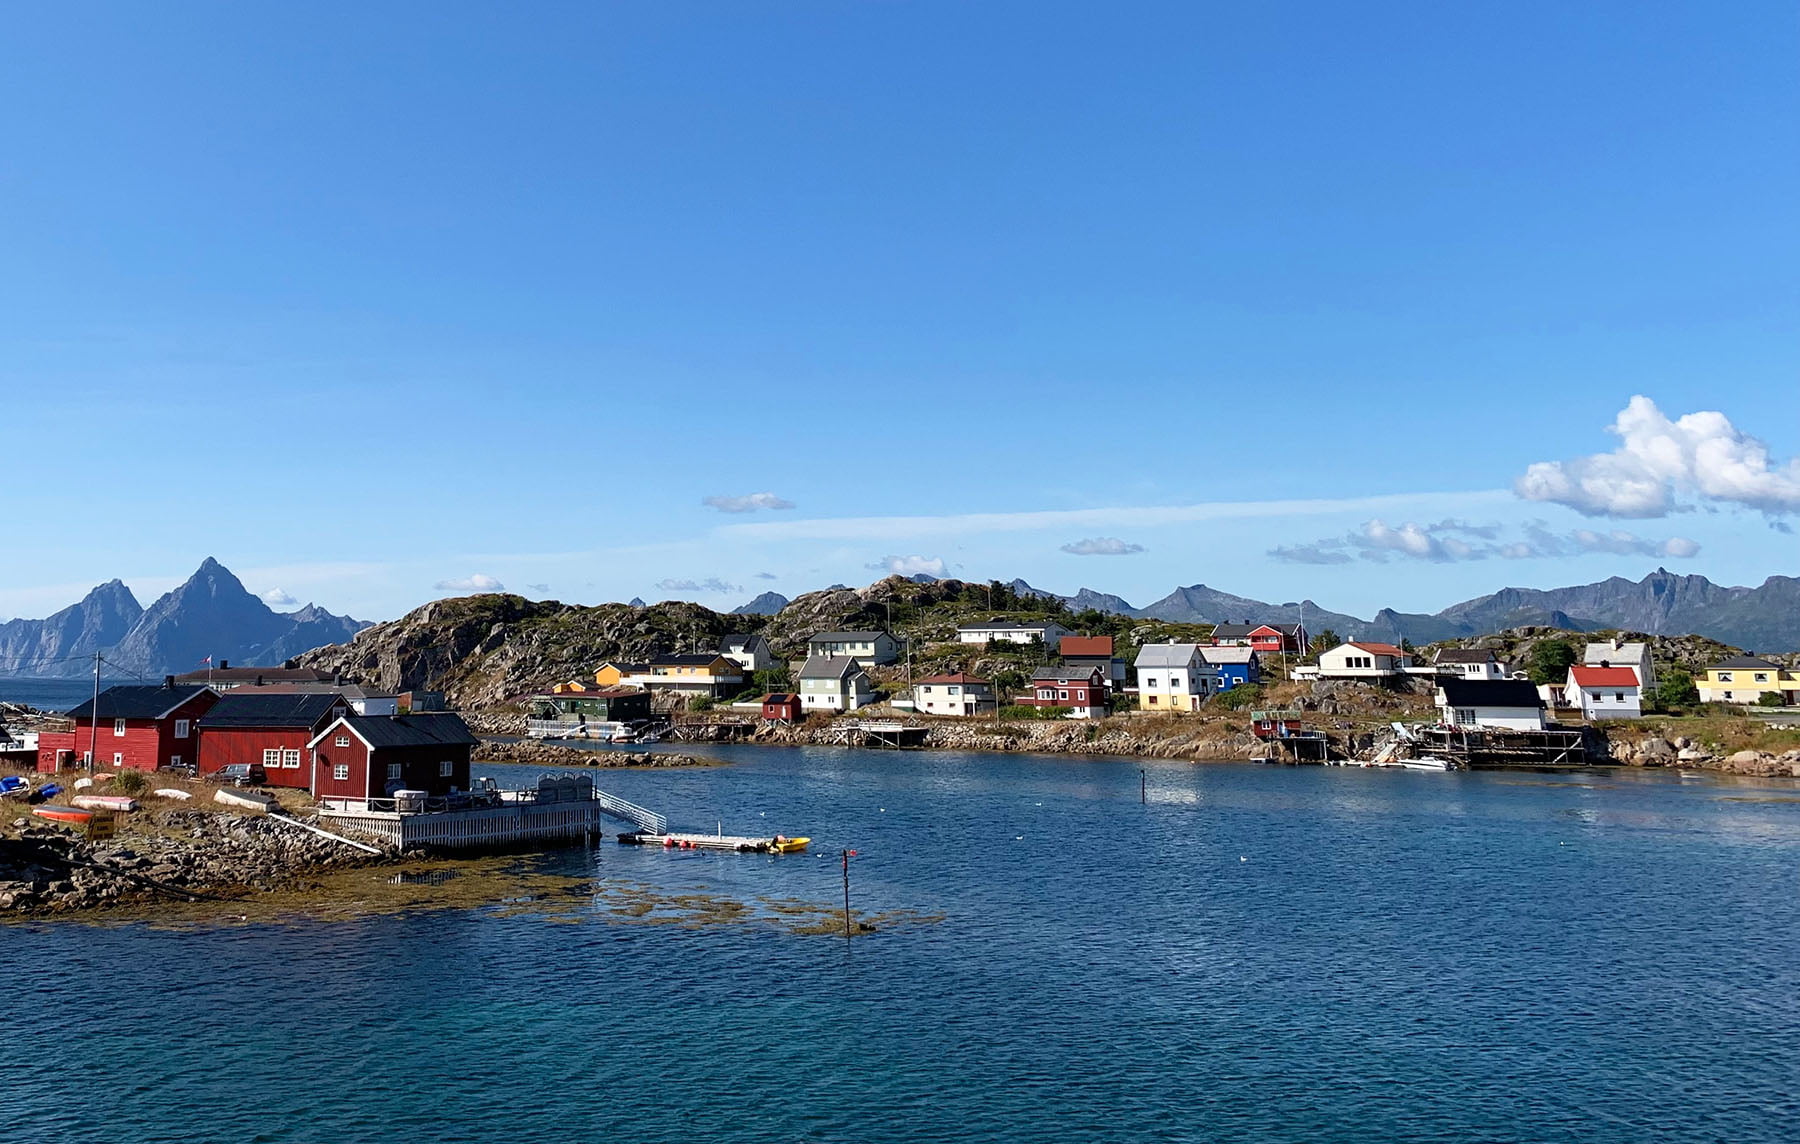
{"x": 210, "y": 614}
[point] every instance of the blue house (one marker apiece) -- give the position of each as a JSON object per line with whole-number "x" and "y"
{"x": 1236, "y": 665}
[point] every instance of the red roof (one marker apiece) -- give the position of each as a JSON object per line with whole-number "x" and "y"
{"x": 1087, "y": 645}
{"x": 1604, "y": 676}
{"x": 956, "y": 677}
{"x": 1378, "y": 648}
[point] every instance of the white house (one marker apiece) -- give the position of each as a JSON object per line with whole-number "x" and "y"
{"x": 1362, "y": 660}
{"x": 1174, "y": 677}
{"x": 863, "y": 647}
{"x": 1612, "y": 653}
{"x": 1469, "y": 663}
{"x": 1048, "y": 632}
{"x": 834, "y": 683}
{"x": 1604, "y": 692}
{"x": 955, "y": 693}
{"x": 750, "y": 652}
{"x": 1499, "y": 704}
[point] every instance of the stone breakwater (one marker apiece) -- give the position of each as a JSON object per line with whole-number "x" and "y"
{"x": 1184, "y": 739}
{"x": 1685, "y": 753}
{"x": 534, "y": 753}
{"x": 173, "y": 854}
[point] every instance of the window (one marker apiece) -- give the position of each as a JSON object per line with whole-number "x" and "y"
{"x": 1762, "y": 677}
{"x": 1062, "y": 694}
{"x": 1724, "y": 677}
{"x": 953, "y": 690}
{"x": 1728, "y": 695}
{"x": 181, "y": 728}
{"x": 340, "y": 771}
{"x": 1465, "y": 715}
{"x": 446, "y": 769}
{"x": 342, "y": 740}
{"x": 272, "y": 758}
{"x": 290, "y": 760}
{"x": 393, "y": 770}
{"x": 119, "y": 728}
{"x": 1151, "y": 682}
{"x": 174, "y": 760}
{"x": 1618, "y": 697}
{"x": 1046, "y": 693}
{"x": 118, "y": 759}
{"x": 1153, "y": 701}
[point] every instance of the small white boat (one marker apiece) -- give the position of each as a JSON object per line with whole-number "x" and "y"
{"x": 256, "y": 800}
{"x": 83, "y": 784}
{"x": 1428, "y": 763}
{"x": 171, "y": 792}
{"x": 105, "y": 802}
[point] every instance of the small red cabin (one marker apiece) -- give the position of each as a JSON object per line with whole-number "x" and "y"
{"x": 248, "y": 725}
{"x": 781, "y": 707}
{"x": 142, "y": 727}
{"x": 372, "y": 756}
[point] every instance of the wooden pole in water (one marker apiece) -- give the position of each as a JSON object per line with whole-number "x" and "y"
{"x": 1144, "y": 786}
{"x": 847, "y": 855}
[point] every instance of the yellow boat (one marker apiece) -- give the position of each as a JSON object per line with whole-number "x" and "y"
{"x": 780, "y": 845}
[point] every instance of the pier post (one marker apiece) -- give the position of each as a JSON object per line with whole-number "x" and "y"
{"x": 847, "y": 856}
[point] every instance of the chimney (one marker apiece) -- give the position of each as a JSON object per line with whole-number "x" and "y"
{"x": 223, "y": 664}
{"x": 259, "y": 679}
{"x": 337, "y": 679}
{"x": 169, "y": 682}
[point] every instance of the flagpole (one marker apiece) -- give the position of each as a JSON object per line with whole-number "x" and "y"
{"x": 94, "y": 731}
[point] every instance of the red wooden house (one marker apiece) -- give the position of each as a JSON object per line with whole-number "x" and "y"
{"x": 1267, "y": 639}
{"x": 372, "y": 756}
{"x": 140, "y": 726}
{"x": 1082, "y": 690}
{"x": 248, "y": 725}
{"x": 781, "y": 707}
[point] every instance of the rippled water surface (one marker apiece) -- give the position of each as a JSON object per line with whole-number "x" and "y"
{"x": 1257, "y": 954}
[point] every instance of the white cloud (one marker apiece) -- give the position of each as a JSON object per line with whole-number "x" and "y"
{"x": 1445, "y": 542}
{"x": 910, "y": 565}
{"x": 746, "y": 503}
{"x": 767, "y": 576}
{"x": 1102, "y": 546}
{"x": 278, "y": 598}
{"x": 1702, "y": 456}
{"x": 710, "y": 584}
{"x": 1149, "y": 516}
{"x": 476, "y": 583}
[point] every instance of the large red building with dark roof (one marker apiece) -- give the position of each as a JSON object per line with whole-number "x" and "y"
{"x": 141, "y": 727}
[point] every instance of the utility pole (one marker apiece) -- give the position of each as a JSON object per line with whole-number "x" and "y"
{"x": 94, "y": 731}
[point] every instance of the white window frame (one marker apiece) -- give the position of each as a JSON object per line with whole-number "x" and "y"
{"x": 118, "y": 728}
{"x": 446, "y": 769}
{"x": 181, "y": 728}
{"x": 290, "y": 760}
{"x": 340, "y": 772}
{"x": 394, "y": 771}
{"x": 174, "y": 760}
{"x": 341, "y": 741}
{"x": 271, "y": 758}
{"x": 118, "y": 758}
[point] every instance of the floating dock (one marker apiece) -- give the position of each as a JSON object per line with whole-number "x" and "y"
{"x": 780, "y": 844}
{"x": 562, "y": 809}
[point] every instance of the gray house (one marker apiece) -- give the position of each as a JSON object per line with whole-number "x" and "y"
{"x": 863, "y": 647}
{"x": 834, "y": 683}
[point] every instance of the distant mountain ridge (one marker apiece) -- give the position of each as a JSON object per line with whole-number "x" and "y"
{"x": 210, "y": 614}
{"x": 766, "y": 604}
{"x": 1663, "y": 603}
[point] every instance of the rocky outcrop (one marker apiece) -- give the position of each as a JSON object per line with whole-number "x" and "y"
{"x": 194, "y": 854}
{"x": 1198, "y": 739}
{"x": 534, "y": 753}
{"x": 1656, "y": 751}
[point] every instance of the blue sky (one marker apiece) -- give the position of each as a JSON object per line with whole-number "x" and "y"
{"x": 368, "y": 299}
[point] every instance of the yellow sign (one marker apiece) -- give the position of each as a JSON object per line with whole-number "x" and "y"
{"x": 101, "y": 826}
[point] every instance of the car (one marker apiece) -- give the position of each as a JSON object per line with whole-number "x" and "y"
{"x": 242, "y": 774}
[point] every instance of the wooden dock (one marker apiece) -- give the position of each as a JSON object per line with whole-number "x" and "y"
{"x": 563, "y": 809}
{"x": 1495, "y": 747}
{"x": 889, "y": 733}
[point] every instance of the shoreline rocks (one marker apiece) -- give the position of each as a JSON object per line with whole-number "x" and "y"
{"x": 536, "y": 753}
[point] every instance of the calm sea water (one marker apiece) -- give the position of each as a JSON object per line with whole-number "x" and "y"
{"x": 54, "y": 694}
{"x": 1258, "y": 954}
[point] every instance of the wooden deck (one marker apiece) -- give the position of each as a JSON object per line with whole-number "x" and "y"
{"x": 563, "y": 809}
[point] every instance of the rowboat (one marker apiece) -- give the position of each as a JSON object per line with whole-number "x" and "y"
{"x": 105, "y": 802}
{"x": 71, "y": 814}
{"x": 256, "y": 800}
{"x": 14, "y": 785}
{"x": 782, "y": 845}
{"x": 171, "y": 792}
{"x": 83, "y": 784}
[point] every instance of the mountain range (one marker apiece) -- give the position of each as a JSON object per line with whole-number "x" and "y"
{"x": 210, "y": 614}
{"x": 1765, "y": 617}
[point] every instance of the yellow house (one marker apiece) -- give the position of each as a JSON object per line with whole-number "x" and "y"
{"x": 1746, "y": 679}
{"x": 566, "y": 688}
{"x": 706, "y": 666}
{"x": 610, "y": 674}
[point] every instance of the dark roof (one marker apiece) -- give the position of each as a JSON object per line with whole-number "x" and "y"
{"x": 781, "y": 697}
{"x": 1490, "y": 693}
{"x": 737, "y": 640}
{"x": 263, "y": 709}
{"x": 220, "y": 675}
{"x": 846, "y": 637}
{"x": 1465, "y": 655}
{"x": 1738, "y": 663}
{"x": 1068, "y": 671}
{"x": 136, "y": 701}
{"x": 439, "y": 729}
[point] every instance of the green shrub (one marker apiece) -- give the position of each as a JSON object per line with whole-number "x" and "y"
{"x": 130, "y": 782}
{"x": 1771, "y": 699}
{"x": 700, "y": 703}
{"x": 1242, "y": 696}
{"x": 1676, "y": 689}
